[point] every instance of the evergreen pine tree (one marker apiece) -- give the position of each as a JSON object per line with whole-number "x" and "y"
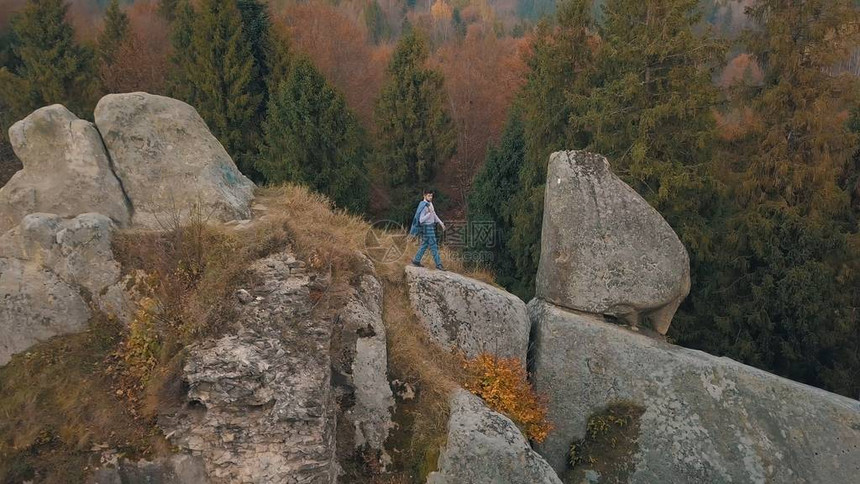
{"x": 50, "y": 66}
{"x": 256, "y": 27}
{"x": 310, "y": 137}
{"x": 182, "y": 30}
{"x": 169, "y": 9}
{"x": 376, "y": 23}
{"x": 279, "y": 61}
{"x": 784, "y": 294}
{"x": 489, "y": 209}
{"x": 650, "y": 112}
{"x": 218, "y": 67}
{"x": 416, "y": 132}
{"x": 113, "y": 34}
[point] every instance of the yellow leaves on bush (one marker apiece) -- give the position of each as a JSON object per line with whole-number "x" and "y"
{"x": 504, "y": 386}
{"x": 140, "y": 349}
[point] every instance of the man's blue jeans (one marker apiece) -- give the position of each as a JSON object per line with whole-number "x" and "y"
{"x": 428, "y": 239}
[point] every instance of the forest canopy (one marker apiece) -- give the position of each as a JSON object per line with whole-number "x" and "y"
{"x": 738, "y": 120}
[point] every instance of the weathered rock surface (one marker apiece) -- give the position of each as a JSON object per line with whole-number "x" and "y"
{"x": 78, "y": 250}
{"x": 604, "y": 249}
{"x": 169, "y": 162}
{"x": 486, "y": 447}
{"x": 467, "y": 314}
{"x": 706, "y": 419}
{"x": 260, "y": 407}
{"x": 36, "y": 305}
{"x": 363, "y": 338}
{"x": 176, "y": 469}
{"x": 66, "y": 170}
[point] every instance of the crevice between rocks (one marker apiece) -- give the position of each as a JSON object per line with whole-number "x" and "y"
{"x": 129, "y": 205}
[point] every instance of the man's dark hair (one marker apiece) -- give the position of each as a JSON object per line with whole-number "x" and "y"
{"x": 427, "y": 190}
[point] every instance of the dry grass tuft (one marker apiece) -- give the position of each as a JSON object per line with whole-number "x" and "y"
{"x": 59, "y": 409}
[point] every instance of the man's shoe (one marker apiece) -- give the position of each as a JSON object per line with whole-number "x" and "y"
{"x": 416, "y": 264}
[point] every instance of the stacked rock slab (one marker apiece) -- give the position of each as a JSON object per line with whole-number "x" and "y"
{"x": 36, "y": 305}
{"x": 485, "y": 447}
{"x": 469, "y": 315}
{"x": 169, "y": 163}
{"x": 259, "y": 406}
{"x": 66, "y": 170}
{"x": 707, "y": 419}
{"x": 604, "y": 250}
{"x": 175, "y": 469}
{"x": 365, "y": 377}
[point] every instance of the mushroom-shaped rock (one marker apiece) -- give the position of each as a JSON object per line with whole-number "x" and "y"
{"x": 706, "y": 418}
{"x": 604, "y": 249}
{"x": 170, "y": 164}
{"x": 485, "y": 447}
{"x": 472, "y": 316}
{"x": 66, "y": 170}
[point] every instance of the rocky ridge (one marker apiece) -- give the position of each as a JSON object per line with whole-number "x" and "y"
{"x": 158, "y": 167}
{"x": 706, "y": 419}
{"x": 293, "y": 391}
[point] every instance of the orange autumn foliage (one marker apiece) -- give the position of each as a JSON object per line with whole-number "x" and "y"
{"x": 504, "y": 386}
{"x": 339, "y": 48}
{"x": 482, "y": 73}
{"x": 142, "y": 60}
{"x": 742, "y": 70}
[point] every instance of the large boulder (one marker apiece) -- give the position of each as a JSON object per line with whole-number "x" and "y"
{"x": 78, "y": 251}
{"x": 706, "y": 419}
{"x": 66, "y": 170}
{"x": 36, "y": 306}
{"x": 170, "y": 165}
{"x": 485, "y": 447}
{"x": 604, "y": 249}
{"x": 469, "y": 315}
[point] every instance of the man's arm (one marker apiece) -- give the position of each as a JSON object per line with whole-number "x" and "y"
{"x": 436, "y": 217}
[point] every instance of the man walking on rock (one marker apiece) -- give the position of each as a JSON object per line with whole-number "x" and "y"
{"x": 424, "y": 224}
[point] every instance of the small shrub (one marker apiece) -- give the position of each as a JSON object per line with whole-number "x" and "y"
{"x": 140, "y": 349}
{"x": 610, "y": 441}
{"x": 503, "y": 384}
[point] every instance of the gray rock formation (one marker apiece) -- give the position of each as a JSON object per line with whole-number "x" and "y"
{"x": 485, "y": 447}
{"x": 36, "y": 305}
{"x": 467, "y": 314}
{"x": 78, "y": 250}
{"x": 604, "y": 249}
{"x": 66, "y": 170}
{"x": 706, "y": 419}
{"x": 169, "y": 162}
{"x": 259, "y": 404}
{"x": 176, "y": 469}
{"x": 370, "y": 416}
